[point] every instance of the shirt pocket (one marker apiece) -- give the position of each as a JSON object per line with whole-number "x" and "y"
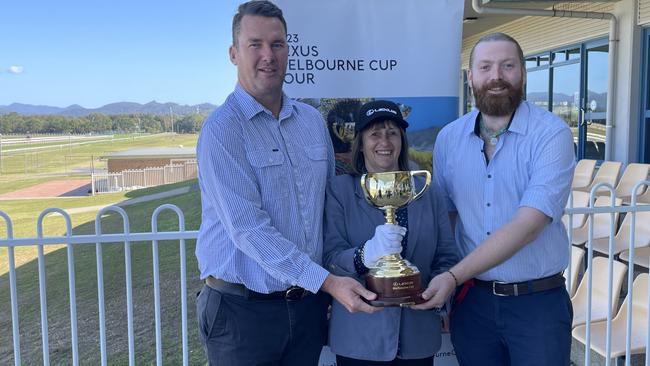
{"x": 317, "y": 163}
{"x": 271, "y": 174}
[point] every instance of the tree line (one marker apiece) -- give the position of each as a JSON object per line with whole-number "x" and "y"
{"x": 14, "y": 123}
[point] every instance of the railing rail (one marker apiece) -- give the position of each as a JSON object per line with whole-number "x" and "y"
{"x": 140, "y": 178}
{"x": 98, "y": 239}
{"x": 154, "y": 237}
{"x": 632, "y": 209}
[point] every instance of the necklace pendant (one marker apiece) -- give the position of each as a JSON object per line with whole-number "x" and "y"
{"x": 493, "y": 141}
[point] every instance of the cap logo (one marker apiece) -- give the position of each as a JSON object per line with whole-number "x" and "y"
{"x": 370, "y": 112}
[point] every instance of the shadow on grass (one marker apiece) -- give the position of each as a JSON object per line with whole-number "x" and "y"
{"x": 192, "y": 183}
{"x": 58, "y": 310}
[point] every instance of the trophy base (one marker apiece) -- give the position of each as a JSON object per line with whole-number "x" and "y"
{"x": 395, "y": 291}
{"x": 397, "y": 301}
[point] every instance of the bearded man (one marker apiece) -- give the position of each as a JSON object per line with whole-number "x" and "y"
{"x": 506, "y": 170}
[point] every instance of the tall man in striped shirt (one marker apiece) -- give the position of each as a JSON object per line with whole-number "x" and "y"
{"x": 506, "y": 169}
{"x": 264, "y": 161}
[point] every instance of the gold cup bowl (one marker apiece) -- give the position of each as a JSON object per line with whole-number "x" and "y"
{"x": 344, "y": 131}
{"x": 394, "y": 279}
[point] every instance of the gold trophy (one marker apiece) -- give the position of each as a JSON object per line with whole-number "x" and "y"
{"x": 344, "y": 131}
{"x": 394, "y": 279}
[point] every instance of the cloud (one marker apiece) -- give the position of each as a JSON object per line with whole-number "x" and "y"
{"x": 15, "y": 70}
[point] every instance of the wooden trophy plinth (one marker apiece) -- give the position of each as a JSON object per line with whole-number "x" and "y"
{"x": 395, "y": 281}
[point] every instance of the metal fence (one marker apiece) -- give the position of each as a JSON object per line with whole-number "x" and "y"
{"x": 73, "y": 242}
{"x": 631, "y": 335}
{"x": 141, "y": 178}
{"x": 603, "y": 343}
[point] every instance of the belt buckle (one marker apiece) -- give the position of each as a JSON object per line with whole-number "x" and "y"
{"x": 494, "y": 288}
{"x": 294, "y": 293}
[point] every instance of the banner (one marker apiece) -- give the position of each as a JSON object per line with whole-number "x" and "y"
{"x": 344, "y": 53}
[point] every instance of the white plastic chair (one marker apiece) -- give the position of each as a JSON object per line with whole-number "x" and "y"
{"x": 619, "y": 324}
{"x": 599, "y": 300}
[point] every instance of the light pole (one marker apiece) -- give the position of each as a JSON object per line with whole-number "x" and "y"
{"x": 0, "y": 153}
{"x": 171, "y": 118}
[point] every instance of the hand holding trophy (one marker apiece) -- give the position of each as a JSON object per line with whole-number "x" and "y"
{"x": 395, "y": 281}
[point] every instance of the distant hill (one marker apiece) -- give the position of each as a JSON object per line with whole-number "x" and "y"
{"x": 423, "y": 139}
{"x": 109, "y": 109}
{"x": 600, "y": 98}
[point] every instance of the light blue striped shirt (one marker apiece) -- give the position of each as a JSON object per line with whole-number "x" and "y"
{"x": 532, "y": 166}
{"x": 262, "y": 185}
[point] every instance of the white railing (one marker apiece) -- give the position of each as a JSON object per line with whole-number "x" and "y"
{"x": 100, "y": 239}
{"x": 142, "y": 178}
{"x": 72, "y": 241}
{"x": 632, "y": 210}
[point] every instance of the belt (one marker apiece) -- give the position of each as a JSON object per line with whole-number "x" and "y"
{"x": 522, "y": 288}
{"x": 293, "y": 293}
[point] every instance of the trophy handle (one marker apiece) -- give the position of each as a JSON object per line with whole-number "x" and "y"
{"x": 363, "y": 184}
{"x": 366, "y": 195}
{"x": 427, "y": 183}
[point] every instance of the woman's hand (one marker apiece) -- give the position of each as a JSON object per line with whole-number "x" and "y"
{"x": 387, "y": 240}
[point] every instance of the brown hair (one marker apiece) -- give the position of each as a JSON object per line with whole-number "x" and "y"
{"x": 261, "y": 8}
{"x": 358, "y": 160}
{"x": 497, "y": 36}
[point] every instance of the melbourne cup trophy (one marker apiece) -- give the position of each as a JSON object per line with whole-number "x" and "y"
{"x": 344, "y": 131}
{"x": 394, "y": 279}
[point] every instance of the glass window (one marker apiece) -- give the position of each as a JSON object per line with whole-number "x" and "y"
{"x": 537, "y": 88}
{"x": 597, "y": 59}
{"x": 467, "y": 94}
{"x": 575, "y": 89}
{"x": 566, "y": 94}
{"x": 595, "y": 104}
{"x": 559, "y": 56}
{"x": 543, "y": 60}
{"x": 531, "y": 62}
{"x": 573, "y": 54}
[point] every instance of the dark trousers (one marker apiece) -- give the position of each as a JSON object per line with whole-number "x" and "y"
{"x": 531, "y": 330}
{"x": 247, "y": 332}
{"x": 344, "y": 361}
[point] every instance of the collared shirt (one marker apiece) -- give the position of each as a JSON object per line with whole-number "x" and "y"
{"x": 532, "y": 166}
{"x": 262, "y": 185}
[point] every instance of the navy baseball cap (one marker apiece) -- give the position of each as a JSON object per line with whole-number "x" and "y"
{"x": 379, "y": 110}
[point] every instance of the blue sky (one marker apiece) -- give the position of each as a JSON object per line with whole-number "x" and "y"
{"x": 93, "y": 53}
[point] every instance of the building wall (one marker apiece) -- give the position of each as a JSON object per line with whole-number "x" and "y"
{"x": 118, "y": 165}
{"x": 537, "y": 34}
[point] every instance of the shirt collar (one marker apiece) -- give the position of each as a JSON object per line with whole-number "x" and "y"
{"x": 251, "y": 107}
{"x": 470, "y": 122}
{"x": 519, "y": 123}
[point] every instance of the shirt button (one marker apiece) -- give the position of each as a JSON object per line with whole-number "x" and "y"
{"x": 488, "y": 233}
{"x": 489, "y": 175}
{"x": 488, "y": 204}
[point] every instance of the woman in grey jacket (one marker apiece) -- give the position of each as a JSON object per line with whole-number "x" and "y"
{"x": 356, "y": 237}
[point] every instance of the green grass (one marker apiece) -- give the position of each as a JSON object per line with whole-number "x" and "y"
{"x": 423, "y": 158}
{"x": 60, "y": 144}
{"x": 158, "y": 189}
{"x": 64, "y": 160}
{"x": 115, "y": 292}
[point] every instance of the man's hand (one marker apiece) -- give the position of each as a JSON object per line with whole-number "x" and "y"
{"x": 437, "y": 293}
{"x": 349, "y": 292}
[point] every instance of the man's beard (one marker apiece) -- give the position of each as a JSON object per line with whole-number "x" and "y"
{"x": 498, "y": 105}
